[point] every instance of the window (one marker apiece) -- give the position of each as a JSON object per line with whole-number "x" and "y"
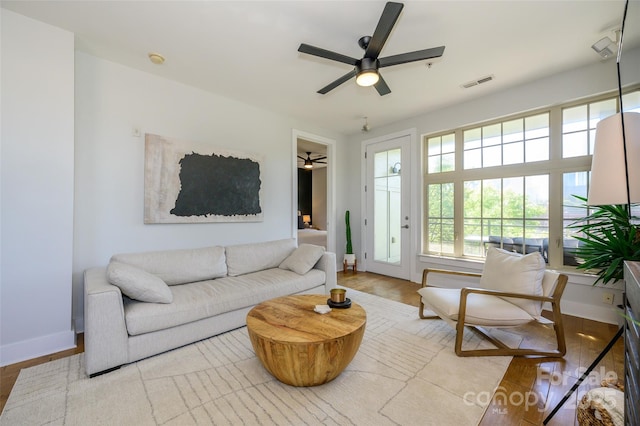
{"x": 579, "y": 126}
{"x": 573, "y": 183}
{"x": 508, "y": 183}
{"x": 441, "y": 153}
{"x": 576, "y": 183}
{"x": 522, "y": 140}
{"x": 509, "y": 213}
{"x": 387, "y": 186}
{"x": 440, "y": 218}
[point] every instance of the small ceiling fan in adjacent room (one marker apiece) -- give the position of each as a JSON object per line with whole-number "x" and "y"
{"x": 308, "y": 162}
{"x": 366, "y": 70}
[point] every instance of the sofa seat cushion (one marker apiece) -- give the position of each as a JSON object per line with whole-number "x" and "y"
{"x": 179, "y": 266}
{"x": 204, "y": 299}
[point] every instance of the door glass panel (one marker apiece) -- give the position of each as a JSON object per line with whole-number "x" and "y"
{"x": 387, "y": 206}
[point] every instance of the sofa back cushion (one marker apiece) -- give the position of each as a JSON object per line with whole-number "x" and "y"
{"x": 179, "y": 266}
{"x": 246, "y": 258}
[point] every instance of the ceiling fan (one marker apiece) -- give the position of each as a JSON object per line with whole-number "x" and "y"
{"x": 366, "y": 69}
{"x": 308, "y": 162}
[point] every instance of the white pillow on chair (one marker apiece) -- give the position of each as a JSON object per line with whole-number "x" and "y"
{"x": 515, "y": 273}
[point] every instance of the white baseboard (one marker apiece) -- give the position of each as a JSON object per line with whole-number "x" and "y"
{"x": 607, "y": 314}
{"x": 33, "y": 348}
{"x": 79, "y": 324}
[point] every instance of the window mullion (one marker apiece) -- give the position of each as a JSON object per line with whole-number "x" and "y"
{"x": 458, "y": 198}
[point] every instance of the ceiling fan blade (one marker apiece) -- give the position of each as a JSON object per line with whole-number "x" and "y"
{"x": 418, "y": 55}
{"x": 327, "y": 54}
{"x": 302, "y": 158}
{"x": 337, "y": 83}
{"x": 320, "y": 162}
{"x": 381, "y": 87}
{"x": 319, "y": 158}
{"x": 385, "y": 25}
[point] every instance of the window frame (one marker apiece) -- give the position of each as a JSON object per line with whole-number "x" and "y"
{"x": 555, "y": 167}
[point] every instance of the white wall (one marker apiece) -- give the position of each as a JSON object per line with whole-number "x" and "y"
{"x": 580, "y": 298}
{"x": 319, "y": 197}
{"x": 111, "y": 100}
{"x": 54, "y": 225}
{"x": 36, "y": 189}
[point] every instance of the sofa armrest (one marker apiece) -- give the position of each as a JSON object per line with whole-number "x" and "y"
{"x": 327, "y": 263}
{"x": 105, "y": 331}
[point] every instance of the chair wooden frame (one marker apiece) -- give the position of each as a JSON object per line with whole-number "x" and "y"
{"x": 501, "y": 349}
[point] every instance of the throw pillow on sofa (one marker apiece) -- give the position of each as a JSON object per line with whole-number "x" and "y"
{"x": 138, "y": 284}
{"x": 303, "y": 258}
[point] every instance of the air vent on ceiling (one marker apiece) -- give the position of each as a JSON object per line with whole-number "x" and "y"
{"x": 478, "y": 81}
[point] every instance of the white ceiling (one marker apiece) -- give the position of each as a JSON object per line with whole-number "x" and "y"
{"x": 248, "y": 50}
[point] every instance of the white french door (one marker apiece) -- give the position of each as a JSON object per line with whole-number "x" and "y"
{"x": 387, "y": 224}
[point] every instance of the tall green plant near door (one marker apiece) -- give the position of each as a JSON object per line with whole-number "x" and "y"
{"x": 347, "y": 221}
{"x": 349, "y": 257}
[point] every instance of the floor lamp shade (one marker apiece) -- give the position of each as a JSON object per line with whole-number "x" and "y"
{"x": 608, "y": 178}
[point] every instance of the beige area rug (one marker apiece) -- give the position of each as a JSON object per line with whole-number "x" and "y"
{"x": 405, "y": 373}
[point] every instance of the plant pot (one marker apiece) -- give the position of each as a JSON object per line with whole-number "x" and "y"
{"x": 350, "y": 259}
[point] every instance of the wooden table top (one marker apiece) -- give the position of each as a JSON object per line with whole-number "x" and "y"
{"x": 292, "y": 319}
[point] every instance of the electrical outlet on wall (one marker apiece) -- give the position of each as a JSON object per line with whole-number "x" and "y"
{"x": 607, "y": 298}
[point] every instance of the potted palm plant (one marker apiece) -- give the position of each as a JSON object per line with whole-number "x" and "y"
{"x": 349, "y": 257}
{"x": 609, "y": 235}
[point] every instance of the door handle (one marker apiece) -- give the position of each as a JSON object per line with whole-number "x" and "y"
{"x": 405, "y": 226}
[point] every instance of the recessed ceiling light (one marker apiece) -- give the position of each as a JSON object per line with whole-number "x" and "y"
{"x": 156, "y": 58}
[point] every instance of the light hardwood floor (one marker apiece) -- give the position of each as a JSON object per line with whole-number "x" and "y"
{"x": 531, "y": 387}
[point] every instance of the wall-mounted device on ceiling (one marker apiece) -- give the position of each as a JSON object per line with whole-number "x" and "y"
{"x": 366, "y": 69}
{"x": 365, "y": 126}
{"x": 308, "y": 162}
{"x": 605, "y": 47}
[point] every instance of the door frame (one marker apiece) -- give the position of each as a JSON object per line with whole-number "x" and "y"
{"x": 331, "y": 179}
{"x": 414, "y": 194}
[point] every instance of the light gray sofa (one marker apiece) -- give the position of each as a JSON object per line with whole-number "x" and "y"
{"x": 194, "y": 294}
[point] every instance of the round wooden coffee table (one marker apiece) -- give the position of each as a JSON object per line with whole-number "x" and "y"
{"x": 300, "y": 347}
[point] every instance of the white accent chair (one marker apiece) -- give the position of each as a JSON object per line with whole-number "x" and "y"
{"x": 511, "y": 292}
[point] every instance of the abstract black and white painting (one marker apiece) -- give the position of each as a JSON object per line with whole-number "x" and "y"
{"x": 192, "y": 183}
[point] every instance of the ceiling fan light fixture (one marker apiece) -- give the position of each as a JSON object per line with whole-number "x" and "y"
{"x": 366, "y": 69}
{"x": 308, "y": 164}
{"x": 367, "y": 72}
{"x": 367, "y": 78}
